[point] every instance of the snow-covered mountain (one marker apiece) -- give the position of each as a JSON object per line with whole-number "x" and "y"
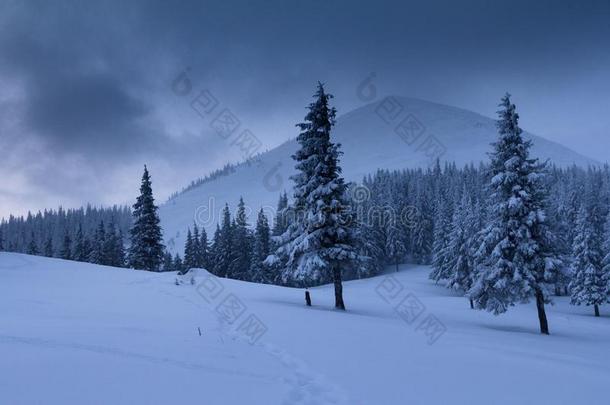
{"x": 75, "y": 333}
{"x": 393, "y": 133}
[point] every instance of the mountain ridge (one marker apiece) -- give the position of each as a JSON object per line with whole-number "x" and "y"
{"x": 391, "y": 133}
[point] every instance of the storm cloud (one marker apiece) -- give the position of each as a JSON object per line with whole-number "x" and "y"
{"x": 86, "y": 94}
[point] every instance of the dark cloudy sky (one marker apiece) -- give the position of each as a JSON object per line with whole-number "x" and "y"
{"x": 86, "y": 87}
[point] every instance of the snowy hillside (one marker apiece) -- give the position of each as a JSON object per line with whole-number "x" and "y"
{"x": 370, "y": 140}
{"x": 79, "y": 333}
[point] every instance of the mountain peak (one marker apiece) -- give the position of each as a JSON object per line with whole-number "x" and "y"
{"x": 393, "y": 133}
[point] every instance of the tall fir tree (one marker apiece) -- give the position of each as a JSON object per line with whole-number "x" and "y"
{"x": 178, "y": 265}
{"x": 79, "y": 245}
{"x": 590, "y": 280}
{"x": 395, "y": 242}
{"x": 319, "y": 244}
{"x": 239, "y": 267}
{"x": 114, "y": 251}
{"x": 32, "y": 246}
{"x": 260, "y": 250}
{"x": 48, "y": 247}
{"x": 146, "y": 250}
{"x": 199, "y": 247}
{"x": 440, "y": 247}
{"x": 168, "y": 264}
{"x": 98, "y": 248}
{"x": 66, "y": 250}
{"x": 280, "y": 223}
{"x": 202, "y": 254}
{"x": 516, "y": 260}
{"x": 189, "y": 250}
{"x": 459, "y": 253}
{"x": 223, "y": 241}
{"x": 423, "y": 230}
{"x": 214, "y": 246}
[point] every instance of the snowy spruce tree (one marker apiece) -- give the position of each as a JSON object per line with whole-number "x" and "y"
{"x": 146, "y": 250}
{"x": 98, "y": 248}
{"x": 590, "y": 278}
{"x": 459, "y": 253}
{"x": 168, "y": 264}
{"x": 423, "y": 230}
{"x": 260, "y": 250}
{"x": 516, "y": 260}
{"x": 114, "y": 251}
{"x": 66, "y": 250}
{"x": 196, "y": 249}
{"x": 81, "y": 246}
{"x": 319, "y": 244}
{"x": 200, "y": 239}
{"x": 48, "y": 247}
{"x": 241, "y": 244}
{"x": 223, "y": 241}
{"x": 395, "y": 243}
{"x": 178, "y": 265}
{"x": 440, "y": 247}
{"x": 32, "y": 246}
{"x": 189, "y": 250}
{"x": 280, "y": 223}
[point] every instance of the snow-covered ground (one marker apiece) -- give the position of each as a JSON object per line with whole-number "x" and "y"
{"x": 77, "y": 333}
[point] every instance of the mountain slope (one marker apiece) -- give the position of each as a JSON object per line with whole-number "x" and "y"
{"x": 75, "y": 333}
{"x": 369, "y": 141}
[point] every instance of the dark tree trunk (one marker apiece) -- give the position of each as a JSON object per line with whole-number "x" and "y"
{"x": 544, "y": 325}
{"x": 307, "y": 298}
{"x": 596, "y": 309}
{"x": 396, "y": 265}
{"x": 471, "y": 304}
{"x": 339, "y": 304}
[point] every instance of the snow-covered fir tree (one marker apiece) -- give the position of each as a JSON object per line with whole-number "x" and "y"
{"x": 441, "y": 253}
{"x": 66, "y": 249}
{"x": 241, "y": 245}
{"x": 114, "y": 250}
{"x": 48, "y": 247}
{"x": 223, "y": 240}
{"x": 81, "y": 246}
{"x": 422, "y": 241}
{"x": 202, "y": 252}
{"x": 177, "y": 264}
{"x": 280, "y": 223}
{"x": 516, "y": 260}
{"x": 370, "y": 235}
{"x": 459, "y": 250}
{"x": 196, "y": 247}
{"x": 318, "y": 244}
{"x": 146, "y": 248}
{"x": 32, "y": 245}
{"x": 395, "y": 242}
{"x": 261, "y": 247}
{"x": 168, "y": 264}
{"x": 189, "y": 250}
{"x": 590, "y": 280}
{"x": 98, "y": 248}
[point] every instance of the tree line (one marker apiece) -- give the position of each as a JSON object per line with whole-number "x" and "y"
{"x": 504, "y": 232}
{"x": 89, "y": 234}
